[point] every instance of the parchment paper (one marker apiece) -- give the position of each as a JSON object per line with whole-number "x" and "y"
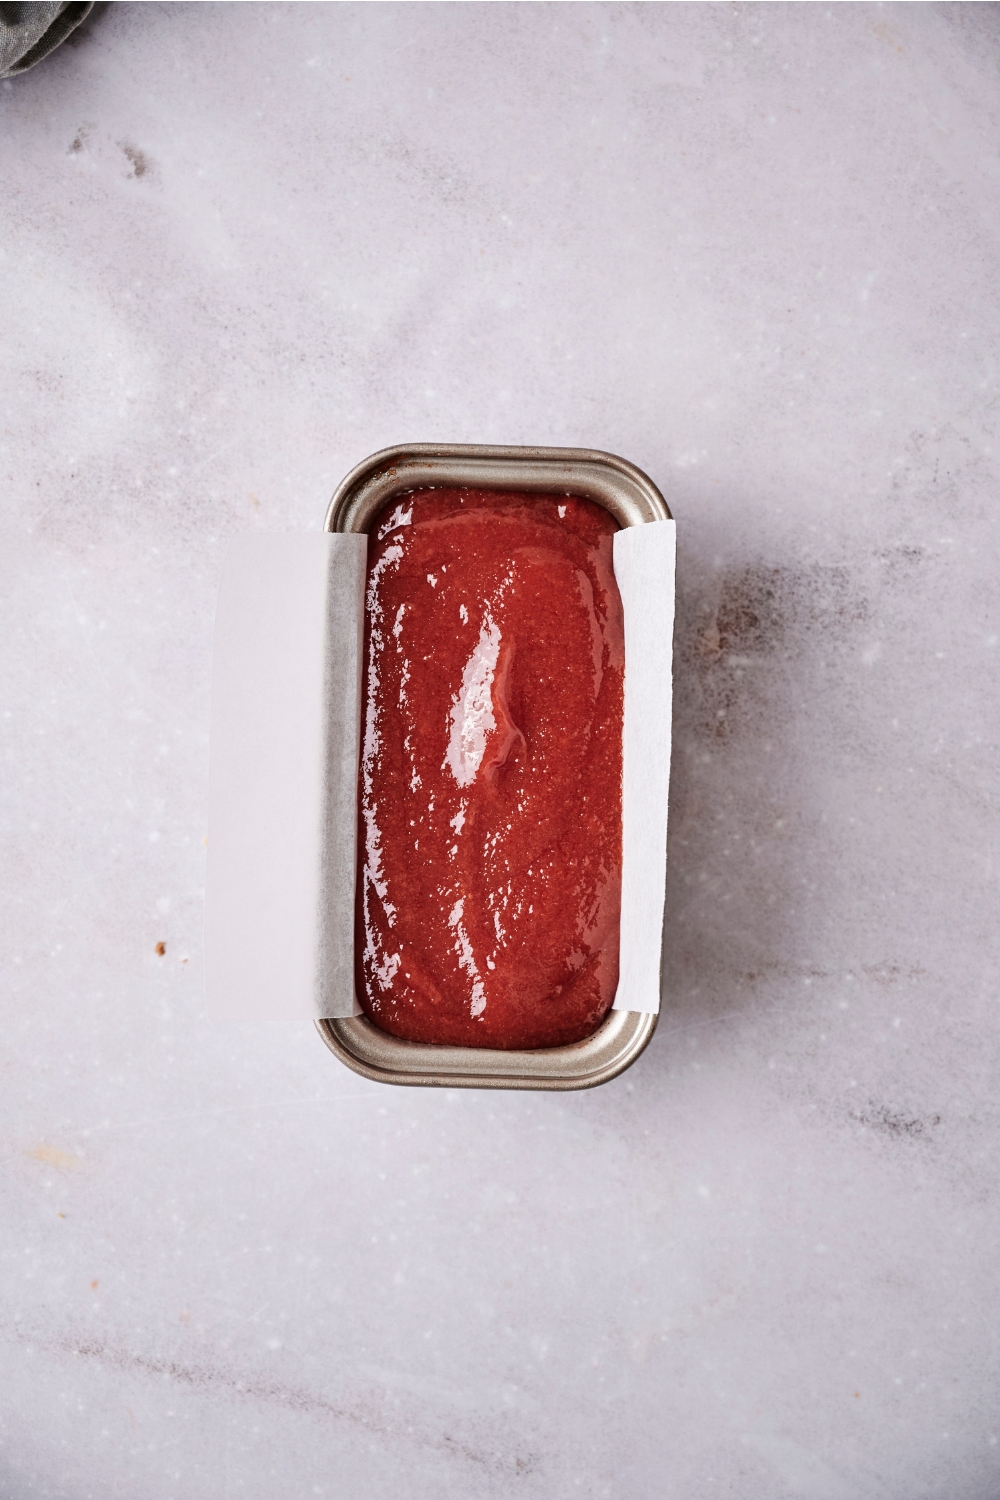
{"x": 644, "y": 570}
{"x": 285, "y": 737}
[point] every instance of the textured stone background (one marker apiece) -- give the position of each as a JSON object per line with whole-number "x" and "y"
{"x": 754, "y": 249}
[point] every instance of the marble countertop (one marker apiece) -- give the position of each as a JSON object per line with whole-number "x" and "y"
{"x": 753, "y": 249}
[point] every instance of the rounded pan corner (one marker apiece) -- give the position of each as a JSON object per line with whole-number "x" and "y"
{"x": 614, "y": 482}
{"x": 382, "y": 1058}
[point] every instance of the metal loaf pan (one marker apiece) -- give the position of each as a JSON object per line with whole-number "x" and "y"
{"x": 632, "y": 499}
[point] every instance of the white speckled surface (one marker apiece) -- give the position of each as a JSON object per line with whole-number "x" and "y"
{"x": 754, "y": 249}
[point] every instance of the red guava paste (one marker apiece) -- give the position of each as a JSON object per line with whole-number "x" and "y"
{"x": 490, "y": 789}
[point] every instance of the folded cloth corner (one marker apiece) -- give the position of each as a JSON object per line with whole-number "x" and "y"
{"x": 29, "y": 32}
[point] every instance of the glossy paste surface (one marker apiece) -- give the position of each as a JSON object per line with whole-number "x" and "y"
{"x": 490, "y": 787}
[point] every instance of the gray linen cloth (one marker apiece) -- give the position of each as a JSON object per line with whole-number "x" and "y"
{"x": 30, "y": 32}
